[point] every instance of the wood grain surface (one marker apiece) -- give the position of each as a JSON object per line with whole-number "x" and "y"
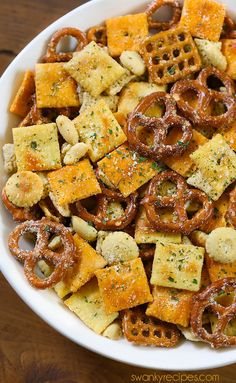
{"x": 31, "y": 351}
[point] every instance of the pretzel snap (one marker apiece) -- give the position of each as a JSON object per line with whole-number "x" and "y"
{"x": 160, "y": 127}
{"x": 148, "y": 331}
{"x": 100, "y": 218}
{"x": 170, "y": 55}
{"x": 207, "y": 300}
{"x": 153, "y": 203}
{"x": 199, "y": 115}
{"x": 163, "y": 25}
{"x": 52, "y": 55}
{"x": 61, "y": 261}
{"x": 98, "y": 34}
{"x": 35, "y": 116}
{"x": 229, "y": 28}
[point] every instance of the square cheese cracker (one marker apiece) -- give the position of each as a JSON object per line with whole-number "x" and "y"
{"x": 177, "y": 266}
{"x": 73, "y": 182}
{"x": 93, "y": 69}
{"x": 37, "y": 147}
{"x": 54, "y": 87}
{"x": 99, "y": 129}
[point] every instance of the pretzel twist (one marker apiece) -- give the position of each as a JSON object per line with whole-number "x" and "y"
{"x": 229, "y": 28}
{"x": 52, "y": 55}
{"x": 206, "y": 300}
{"x": 163, "y": 25}
{"x": 177, "y": 202}
{"x": 98, "y": 34}
{"x": 100, "y": 219}
{"x": 199, "y": 115}
{"x": 160, "y": 127}
{"x": 19, "y": 214}
{"x": 60, "y": 260}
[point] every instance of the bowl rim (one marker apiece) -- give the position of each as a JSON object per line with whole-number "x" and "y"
{"x": 103, "y": 347}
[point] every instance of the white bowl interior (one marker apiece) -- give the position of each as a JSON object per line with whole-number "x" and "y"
{"x": 188, "y": 355}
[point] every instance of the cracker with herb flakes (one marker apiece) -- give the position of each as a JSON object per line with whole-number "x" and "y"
{"x": 99, "y": 129}
{"x": 126, "y": 170}
{"x": 219, "y": 270}
{"x": 134, "y": 93}
{"x": 93, "y": 69}
{"x": 178, "y": 266}
{"x": 219, "y": 214}
{"x": 54, "y": 87}
{"x": 126, "y": 32}
{"x": 145, "y": 233}
{"x": 87, "y": 262}
{"x": 37, "y": 147}
{"x": 87, "y": 304}
{"x": 183, "y": 164}
{"x": 22, "y": 101}
{"x": 203, "y": 18}
{"x": 123, "y": 286}
{"x": 216, "y": 167}
{"x": 175, "y": 305}
{"x": 73, "y": 183}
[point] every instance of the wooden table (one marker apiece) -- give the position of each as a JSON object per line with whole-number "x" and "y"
{"x": 30, "y": 350}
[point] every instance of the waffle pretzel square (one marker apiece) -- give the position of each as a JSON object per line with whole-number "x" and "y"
{"x": 170, "y": 55}
{"x": 147, "y": 331}
{"x": 54, "y": 87}
{"x": 123, "y": 286}
{"x": 203, "y": 18}
{"x": 126, "y": 32}
{"x": 22, "y": 102}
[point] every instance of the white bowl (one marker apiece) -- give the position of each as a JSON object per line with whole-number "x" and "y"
{"x": 188, "y": 355}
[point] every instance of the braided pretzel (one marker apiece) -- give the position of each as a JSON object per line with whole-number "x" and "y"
{"x": 142, "y": 329}
{"x": 163, "y": 25}
{"x": 206, "y": 300}
{"x": 52, "y": 55}
{"x": 153, "y": 202}
{"x": 19, "y": 214}
{"x": 232, "y": 207}
{"x": 98, "y": 34}
{"x": 60, "y": 260}
{"x": 100, "y": 220}
{"x": 160, "y": 127}
{"x": 198, "y": 114}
